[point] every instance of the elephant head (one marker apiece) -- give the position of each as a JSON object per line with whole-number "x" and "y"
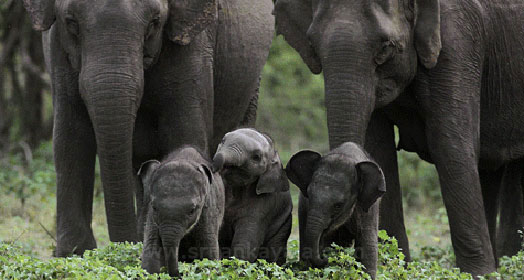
{"x": 107, "y": 45}
{"x": 369, "y": 52}
{"x": 245, "y": 157}
{"x": 175, "y": 191}
{"x": 333, "y": 184}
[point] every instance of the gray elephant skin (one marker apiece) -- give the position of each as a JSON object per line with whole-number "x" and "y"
{"x": 338, "y": 202}
{"x": 448, "y": 73}
{"x": 134, "y": 80}
{"x": 257, "y": 220}
{"x": 185, "y": 208}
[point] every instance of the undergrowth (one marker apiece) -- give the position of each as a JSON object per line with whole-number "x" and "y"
{"x": 122, "y": 261}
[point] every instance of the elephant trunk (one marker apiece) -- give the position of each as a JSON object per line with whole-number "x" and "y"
{"x": 315, "y": 226}
{"x": 227, "y": 157}
{"x": 171, "y": 237}
{"x": 349, "y": 91}
{"x": 111, "y": 85}
{"x": 171, "y": 260}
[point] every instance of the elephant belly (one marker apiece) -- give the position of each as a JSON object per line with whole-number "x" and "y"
{"x": 502, "y": 98}
{"x": 502, "y": 130}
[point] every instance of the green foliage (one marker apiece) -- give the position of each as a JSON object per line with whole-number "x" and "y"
{"x": 28, "y": 175}
{"x": 291, "y": 102}
{"x": 122, "y": 261}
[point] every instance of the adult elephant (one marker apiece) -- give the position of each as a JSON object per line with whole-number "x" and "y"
{"x": 133, "y": 80}
{"x": 448, "y": 73}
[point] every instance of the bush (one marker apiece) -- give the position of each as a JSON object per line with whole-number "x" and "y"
{"x": 121, "y": 261}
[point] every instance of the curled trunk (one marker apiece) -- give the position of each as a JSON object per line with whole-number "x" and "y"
{"x": 225, "y": 157}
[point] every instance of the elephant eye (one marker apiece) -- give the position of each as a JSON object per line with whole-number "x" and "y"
{"x": 152, "y": 27}
{"x": 386, "y": 52}
{"x": 338, "y": 206}
{"x": 71, "y": 25}
{"x": 256, "y": 157}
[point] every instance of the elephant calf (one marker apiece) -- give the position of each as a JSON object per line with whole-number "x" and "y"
{"x": 337, "y": 204}
{"x": 185, "y": 208}
{"x": 257, "y": 219}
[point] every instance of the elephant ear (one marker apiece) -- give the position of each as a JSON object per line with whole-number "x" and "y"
{"x": 427, "y": 32}
{"x": 146, "y": 170}
{"x": 372, "y": 182}
{"x": 42, "y": 13}
{"x": 301, "y": 167}
{"x": 206, "y": 171}
{"x": 187, "y": 18}
{"x": 274, "y": 179}
{"x": 293, "y": 18}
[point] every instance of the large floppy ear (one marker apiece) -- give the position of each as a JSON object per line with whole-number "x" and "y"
{"x": 274, "y": 179}
{"x": 301, "y": 167}
{"x": 293, "y": 18}
{"x": 372, "y": 183}
{"x": 427, "y": 32}
{"x": 206, "y": 171}
{"x": 187, "y": 18}
{"x": 42, "y": 13}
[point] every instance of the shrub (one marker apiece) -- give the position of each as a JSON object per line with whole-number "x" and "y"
{"x": 122, "y": 261}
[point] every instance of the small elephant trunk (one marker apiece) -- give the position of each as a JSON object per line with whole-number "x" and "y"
{"x": 226, "y": 157}
{"x": 171, "y": 260}
{"x": 314, "y": 229}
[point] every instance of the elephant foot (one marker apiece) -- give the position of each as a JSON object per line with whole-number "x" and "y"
{"x": 71, "y": 244}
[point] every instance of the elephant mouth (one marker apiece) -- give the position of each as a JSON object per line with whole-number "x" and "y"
{"x": 236, "y": 174}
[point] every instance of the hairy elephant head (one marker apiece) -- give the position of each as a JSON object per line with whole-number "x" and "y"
{"x": 108, "y": 44}
{"x": 333, "y": 185}
{"x": 176, "y": 191}
{"x": 246, "y": 156}
{"x": 367, "y": 50}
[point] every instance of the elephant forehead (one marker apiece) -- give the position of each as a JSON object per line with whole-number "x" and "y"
{"x": 255, "y": 137}
{"x": 328, "y": 190}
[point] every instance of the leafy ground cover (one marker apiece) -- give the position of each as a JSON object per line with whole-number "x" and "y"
{"x": 122, "y": 261}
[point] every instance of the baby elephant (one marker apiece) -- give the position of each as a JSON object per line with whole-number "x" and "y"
{"x": 338, "y": 202}
{"x": 185, "y": 208}
{"x": 257, "y": 219}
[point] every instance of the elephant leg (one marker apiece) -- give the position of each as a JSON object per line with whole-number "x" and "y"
{"x": 275, "y": 249}
{"x": 242, "y": 48}
{"x": 208, "y": 243}
{"x": 250, "y": 117}
{"x": 247, "y": 239}
{"x": 152, "y": 254}
{"x": 490, "y": 183}
{"x": 144, "y": 149}
{"x": 74, "y": 154}
{"x": 449, "y": 97}
{"x": 511, "y": 211}
{"x": 380, "y": 143}
{"x": 305, "y": 253}
{"x": 180, "y": 89}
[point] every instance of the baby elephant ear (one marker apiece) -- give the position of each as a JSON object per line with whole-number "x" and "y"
{"x": 187, "y": 18}
{"x": 146, "y": 169}
{"x": 42, "y": 13}
{"x": 274, "y": 179}
{"x": 372, "y": 182}
{"x": 301, "y": 167}
{"x": 206, "y": 171}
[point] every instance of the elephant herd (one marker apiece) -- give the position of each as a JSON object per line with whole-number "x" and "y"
{"x": 157, "y": 87}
